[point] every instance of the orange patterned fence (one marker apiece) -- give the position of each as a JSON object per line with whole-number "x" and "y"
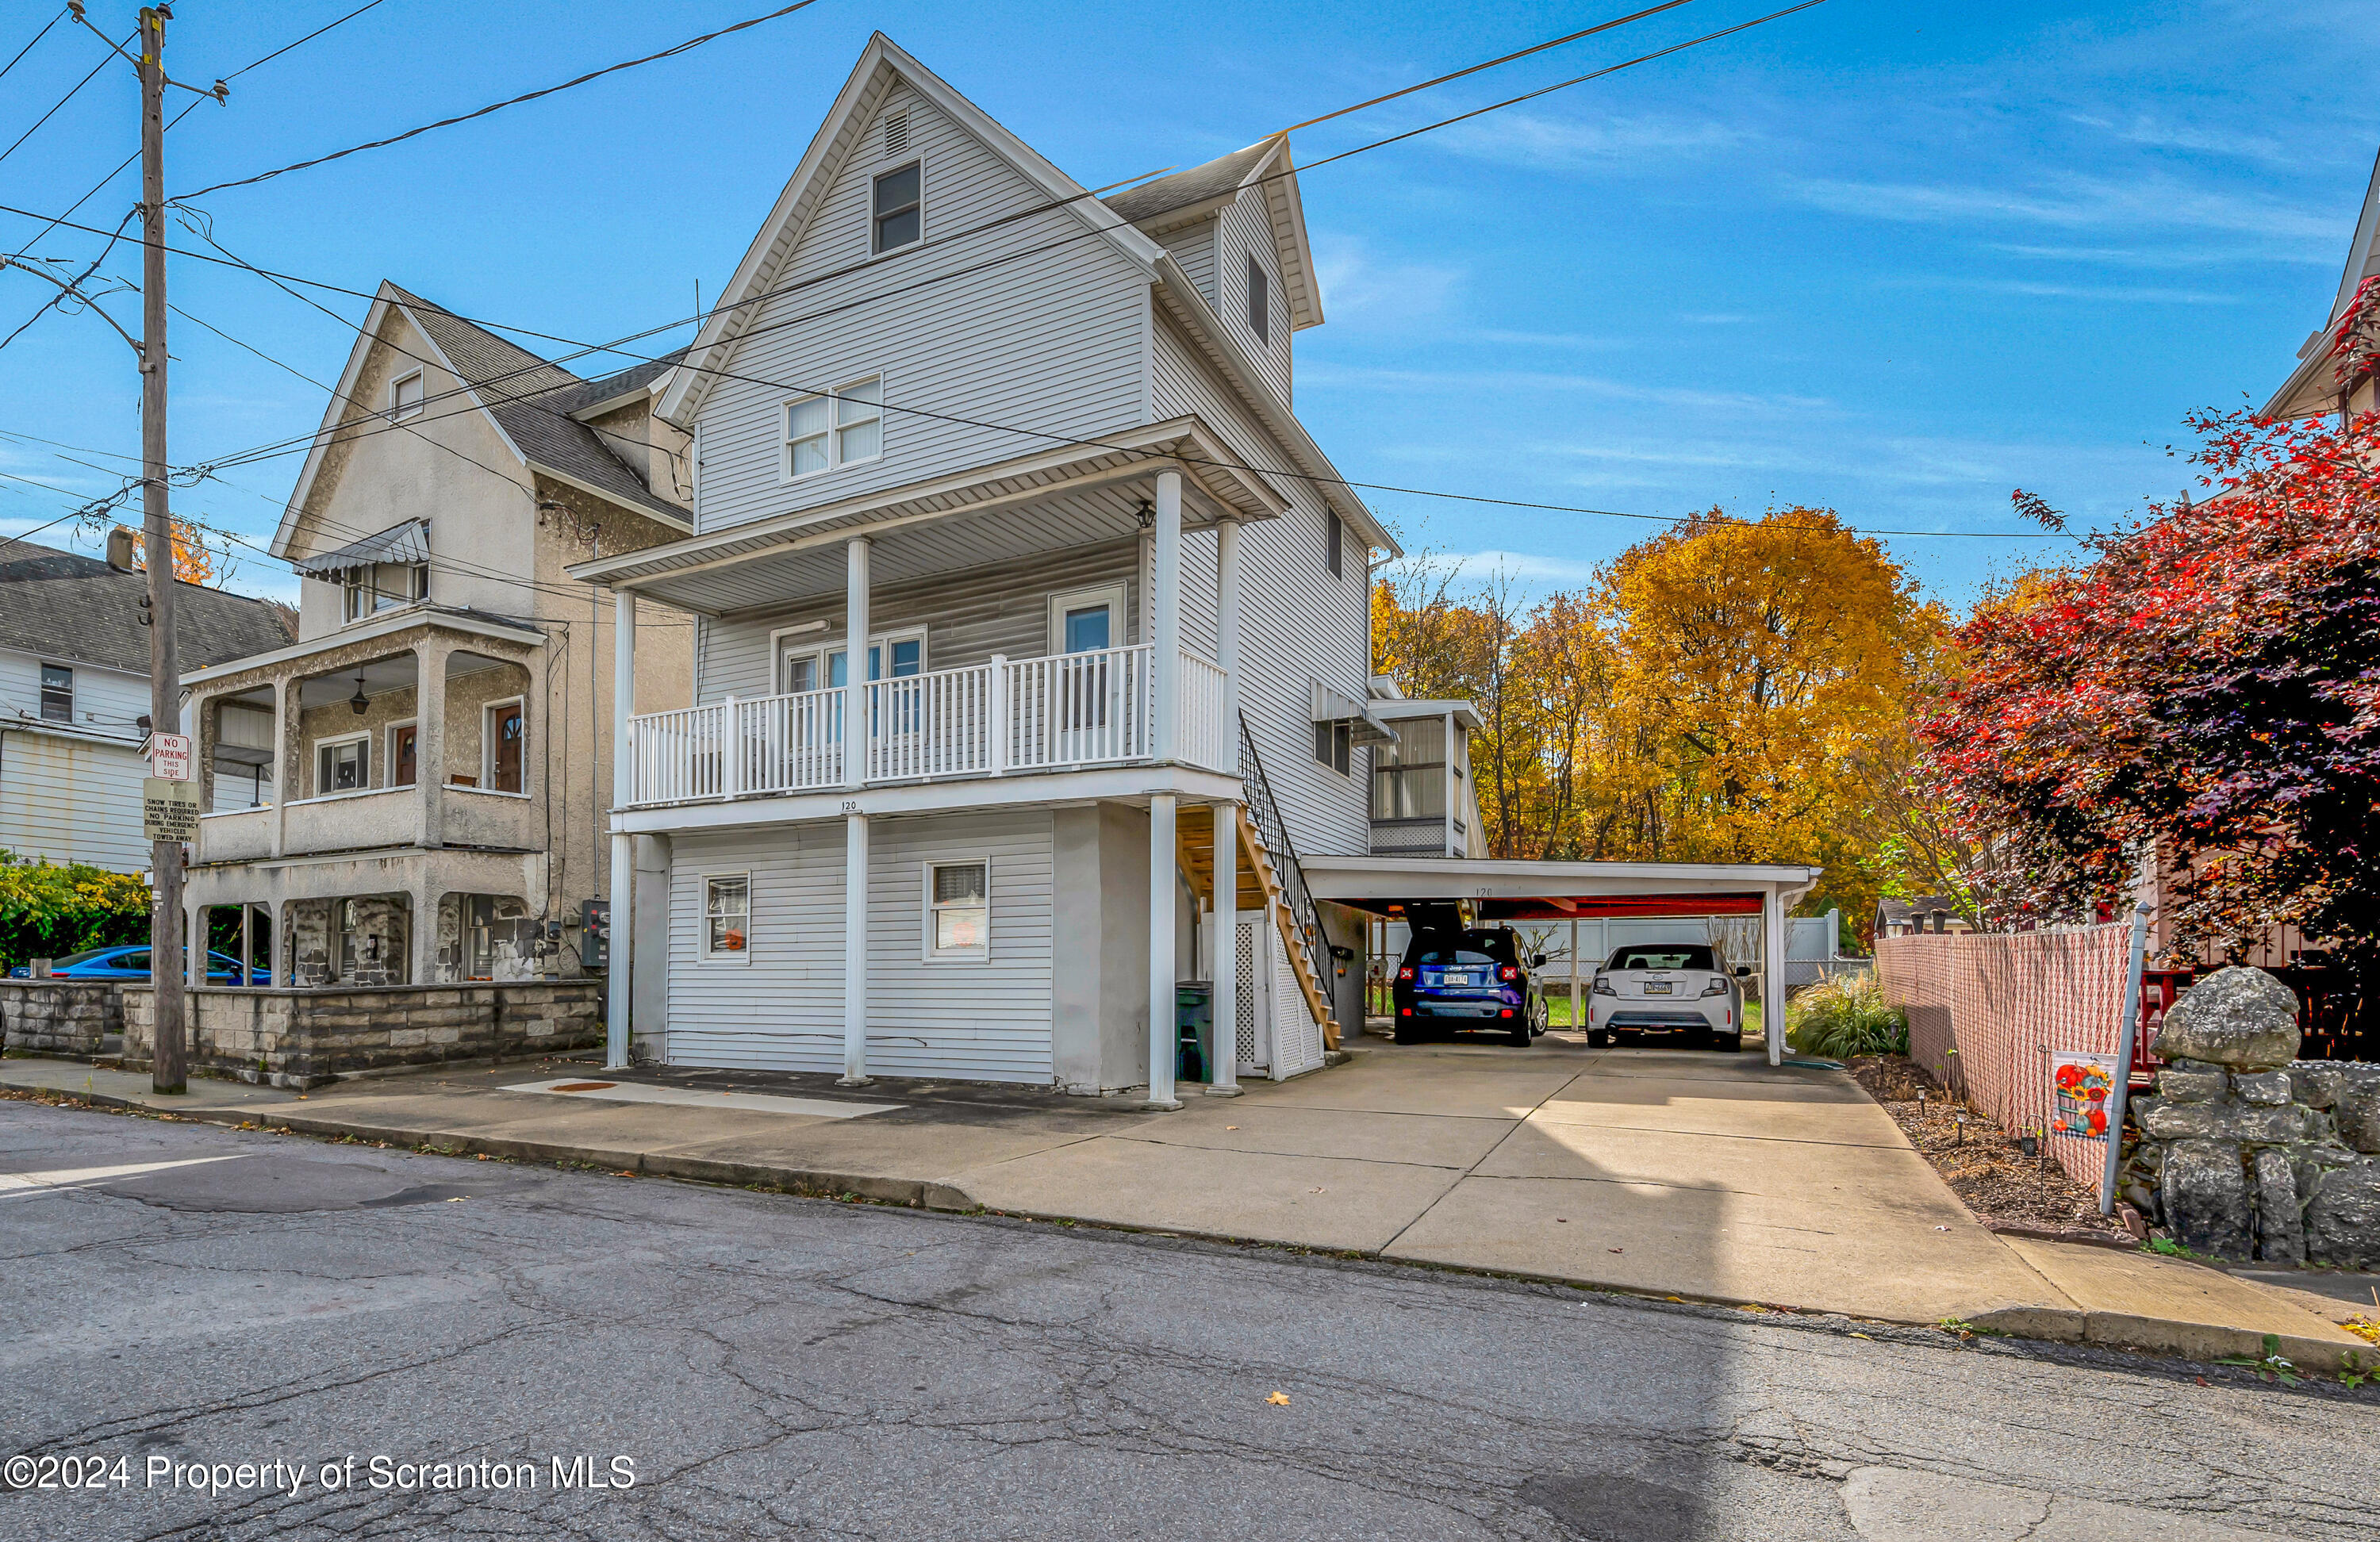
{"x": 1986, "y": 1012}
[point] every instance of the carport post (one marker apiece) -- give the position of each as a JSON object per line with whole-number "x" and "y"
{"x": 1772, "y": 974}
{"x": 622, "y": 930}
{"x": 854, "y": 943}
{"x": 1576, "y": 1022}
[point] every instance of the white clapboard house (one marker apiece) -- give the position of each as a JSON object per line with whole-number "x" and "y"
{"x": 74, "y": 701}
{"x": 1032, "y": 645}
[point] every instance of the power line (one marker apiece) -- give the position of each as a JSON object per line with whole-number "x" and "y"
{"x": 29, "y": 47}
{"x": 277, "y": 448}
{"x": 302, "y": 42}
{"x": 62, "y": 100}
{"x": 498, "y": 106}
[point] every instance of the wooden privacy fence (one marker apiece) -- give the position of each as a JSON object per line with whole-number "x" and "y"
{"x": 1986, "y": 1012}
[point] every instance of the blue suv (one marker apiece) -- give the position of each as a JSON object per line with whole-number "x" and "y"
{"x": 1477, "y": 978}
{"x": 131, "y": 962}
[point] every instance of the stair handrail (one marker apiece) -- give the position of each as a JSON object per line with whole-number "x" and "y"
{"x": 1275, "y": 834}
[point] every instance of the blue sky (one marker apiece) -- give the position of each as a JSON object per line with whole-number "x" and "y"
{"x": 1890, "y": 258}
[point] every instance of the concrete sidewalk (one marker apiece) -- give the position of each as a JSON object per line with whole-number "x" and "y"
{"x": 1695, "y": 1175}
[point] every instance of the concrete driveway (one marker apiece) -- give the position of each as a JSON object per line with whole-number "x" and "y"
{"x": 1678, "y": 1172}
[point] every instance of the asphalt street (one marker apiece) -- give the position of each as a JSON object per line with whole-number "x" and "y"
{"x": 225, "y": 1334}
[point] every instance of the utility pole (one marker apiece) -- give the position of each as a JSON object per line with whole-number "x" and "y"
{"x": 169, "y": 1068}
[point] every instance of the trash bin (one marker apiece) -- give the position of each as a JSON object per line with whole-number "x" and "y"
{"x": 1193, "y": 1030}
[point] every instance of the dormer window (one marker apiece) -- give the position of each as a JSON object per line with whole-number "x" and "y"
{"x": 900, "y": 207}
{"x": 1259, "y": 301}
{"x": 404, "y": 398}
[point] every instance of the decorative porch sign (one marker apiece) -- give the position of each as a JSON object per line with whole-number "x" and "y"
{"x": 169, "y": 810}
{"x": 2080, "y": 1086}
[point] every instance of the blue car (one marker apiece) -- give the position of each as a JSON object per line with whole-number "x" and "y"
{"x": 1477, "y": 978}
{"x": 131, "y": 962}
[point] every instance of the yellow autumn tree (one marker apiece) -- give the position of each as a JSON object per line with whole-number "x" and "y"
{"x": 195, "y": 556}
{"x": 1767, "y": 669}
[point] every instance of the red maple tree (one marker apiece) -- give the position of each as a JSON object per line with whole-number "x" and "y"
{"x": 2209, "y": 683}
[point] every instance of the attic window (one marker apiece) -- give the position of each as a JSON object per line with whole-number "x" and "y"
{"x": 900, "y": 213}
{"x": 1259, "y": 301}
{"x": 405, "y": 397}
{"x": 896, "y": 132}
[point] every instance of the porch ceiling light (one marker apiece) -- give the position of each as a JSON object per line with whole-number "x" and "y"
{"x": 360, "y": 703}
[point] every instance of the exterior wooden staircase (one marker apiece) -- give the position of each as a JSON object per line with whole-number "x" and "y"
{"x": 1270, "y": 880}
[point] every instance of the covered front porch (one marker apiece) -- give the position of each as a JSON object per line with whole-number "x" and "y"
{"x": 1057, "y": 632}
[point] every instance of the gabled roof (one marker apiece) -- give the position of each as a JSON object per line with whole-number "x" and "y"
{"x": 78, "y": 610}
{"x": 882, "y": 63}
{"x": 2312, "y": 386}
{"x": 529, "y": 399}
{"x": 1265, "y": 168}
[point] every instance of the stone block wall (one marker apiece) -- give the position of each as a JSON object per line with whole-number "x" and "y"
{"x": 2246, "y": 1152}
{"x": 302, "y": 1038}
{"x": 59, "y": 1017}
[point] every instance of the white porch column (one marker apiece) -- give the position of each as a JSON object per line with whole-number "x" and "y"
{"x": 286, "y": 769}
{"x": 1165, "y": 635}
{"x": 421, "y": 942}
{"x": 1162, "y": 865}
{"x": 623, "y": 930}
{"x": 855, "y": 670}
{"x": 1772, "y": 974}
{"x": 854, "y": 936}
{"x": 1223, "y": 1076}
{"x": 1227, "y": 629}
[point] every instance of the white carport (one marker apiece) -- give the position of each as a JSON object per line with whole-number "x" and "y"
{"x": 1499, "y": 890}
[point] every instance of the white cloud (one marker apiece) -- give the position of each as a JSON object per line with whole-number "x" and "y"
{"x": 2195, "y": 254}
{"x": 2158, "y": 134}
{"x": 2073, "y": 203}
{"x": 1490, "y": 381}
{"x": 1547, "y": 143}
{"x": 2119, "y": 294}
{"x": 1357, "y": 286}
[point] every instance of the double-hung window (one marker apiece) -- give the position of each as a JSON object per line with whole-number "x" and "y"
{"x": 900, "y": 207}
{"x": 57, "y": 694}
{"x": 727, "y": 918}
{"x": 1334, "y": 745}
{"x": 342, "y": 765}
{"x": 385, "y": 587}
{"x": 842, "y": 427}
{"x": 404, "y": 398}
{"x": 958, "y": 910}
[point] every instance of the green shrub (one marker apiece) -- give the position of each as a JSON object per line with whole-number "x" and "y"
{"x": 1846, "y": 1016}
{"x": 48, "y": 910}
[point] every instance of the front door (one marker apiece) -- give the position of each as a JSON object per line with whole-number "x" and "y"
{"x": 401, "y": 758}
{"x": 1086, "y": 684}
{"x": 504, "y": 770}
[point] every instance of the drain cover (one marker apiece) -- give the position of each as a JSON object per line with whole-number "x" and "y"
{"x": 583, "y": 1087}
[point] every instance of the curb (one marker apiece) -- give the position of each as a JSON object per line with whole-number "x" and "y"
{"x": 2191, "y": 1340}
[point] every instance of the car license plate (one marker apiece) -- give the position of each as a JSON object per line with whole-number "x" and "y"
{"x": 1656, "y": 987}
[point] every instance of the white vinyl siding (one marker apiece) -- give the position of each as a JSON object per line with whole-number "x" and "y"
{"x": 1247, "y": 233}
{"x": 1193, "y": 246}
{"x": 1049, "y": 343}
{"x": 71, "y": 793}
{"x": 968, "y": 615}
{"x": 987, "y": 1021}
{"x": 1298, "y": 622}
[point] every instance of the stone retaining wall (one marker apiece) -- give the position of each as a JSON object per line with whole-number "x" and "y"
{"x": 59, "y": 1017}
{"x": 302, "y": 1038}
{"x": 2245, "y": 1151}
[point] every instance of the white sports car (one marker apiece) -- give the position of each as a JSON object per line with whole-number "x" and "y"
{"x": 1672, "y": 989}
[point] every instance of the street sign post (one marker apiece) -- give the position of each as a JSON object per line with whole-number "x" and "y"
{"x": 169, "y": 810}
{"x": 169, "y": 756}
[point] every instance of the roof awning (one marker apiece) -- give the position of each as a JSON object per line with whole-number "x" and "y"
{"x": 405, "y": 543}
{"x": 1364, "y": 728}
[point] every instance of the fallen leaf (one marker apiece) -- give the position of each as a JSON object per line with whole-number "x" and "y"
{"x": 457, "y": 1199}
{"x": 483, "y": 1156}
{"x": 1676, "y": 1299}
{"x": 1615, "y": 1250}
{"x": 1562, "y": 1220}
{"x": 1862, "y": 1336}
{"x": 1231, "y": 1126}
{"x": 1314, "y": 1191}
{"x": 1941, "y": 1228}
{"x": 1280, "y": 1398}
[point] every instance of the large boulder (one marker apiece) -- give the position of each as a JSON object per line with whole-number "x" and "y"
{"x": 2358, "y": 1117}
{"x": 2238, "y": 1017}
{"x": 2342, "y": 1220}
{"x": 2203, "y": 1194}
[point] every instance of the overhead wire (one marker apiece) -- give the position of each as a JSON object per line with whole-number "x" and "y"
{"x": 61, "y": 102}
{"x": 688, "y": 45}
{"x": 54, "y": 21}
{"x": 479, "y": 389}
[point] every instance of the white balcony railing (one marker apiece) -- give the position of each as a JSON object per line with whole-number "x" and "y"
{"x": 1009, "y": 715}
